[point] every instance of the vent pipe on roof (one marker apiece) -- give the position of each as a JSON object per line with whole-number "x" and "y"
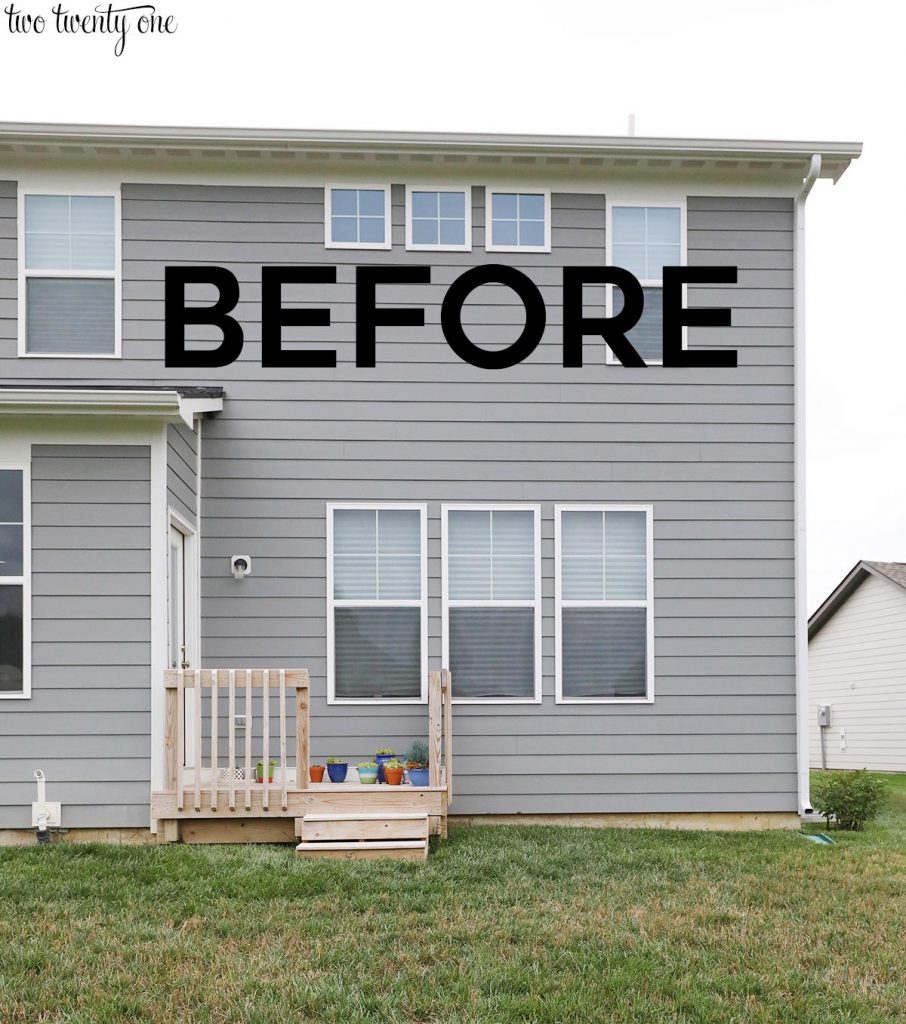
{"x": 799, "y": 543}
{"x": 630, "y": 125}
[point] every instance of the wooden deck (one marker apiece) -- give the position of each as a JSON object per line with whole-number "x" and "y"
{"x": 217, "y": 785}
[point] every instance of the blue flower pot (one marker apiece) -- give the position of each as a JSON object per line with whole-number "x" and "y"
{"x": 337, "y": 772}
{"x": 418, "y": 776}
{"x": 368, "y": 776}
{"x": 382, "y": 759}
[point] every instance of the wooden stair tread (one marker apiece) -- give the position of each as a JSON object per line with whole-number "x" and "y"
{"x": 365, "y": 816}
{"x": 374, "y": 844}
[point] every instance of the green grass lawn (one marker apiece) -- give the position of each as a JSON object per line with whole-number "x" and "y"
{"x": 503, "y": 924}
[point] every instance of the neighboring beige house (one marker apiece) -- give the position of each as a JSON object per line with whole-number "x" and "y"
{"x": 857, "y": 668}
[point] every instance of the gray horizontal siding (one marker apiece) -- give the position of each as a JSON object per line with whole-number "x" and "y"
{"x": 87, "y": 723}
{"x": 710, "y": 449}
{"x": 182, "y": 475}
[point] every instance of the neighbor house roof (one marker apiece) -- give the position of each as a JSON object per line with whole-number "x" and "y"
{"x": 751, "y": 155}
{"x": 895, "y": 572}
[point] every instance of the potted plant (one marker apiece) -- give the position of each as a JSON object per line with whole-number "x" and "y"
{"x": 393, "y": 772}
{"x": 368, "y": 773}
{"x": 316, "y": 772}
{"x": 382, "y": 755}
{"x": 337, "y": 768}
{"x": 259, "y": 771}
{"x": 417, "y": 763}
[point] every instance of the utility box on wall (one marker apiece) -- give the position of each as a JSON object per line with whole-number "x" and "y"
{"x": 824, "y": 715}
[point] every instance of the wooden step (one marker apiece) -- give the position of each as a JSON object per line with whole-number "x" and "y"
{"x": 400, "y": 849}
{"x": 349, "y": 827}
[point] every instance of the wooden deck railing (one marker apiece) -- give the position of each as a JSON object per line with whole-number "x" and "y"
{"x": 220, "y": 779}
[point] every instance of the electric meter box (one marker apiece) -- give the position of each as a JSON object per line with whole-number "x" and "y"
{"x": 824, "y": 715}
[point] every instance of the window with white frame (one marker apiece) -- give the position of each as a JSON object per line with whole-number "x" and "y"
{"x": 377, "y": 603}
{"x": 492, "y": 602}
{"x": 644, "y": 240}
{"x": 69, "y": 275}
{"x": 604, "y": 603}
{"x": 13, "y": 598}
{"x": 357, "y": 217}
{"x": 518, "y": 221}
{"x": 438, "y": 219}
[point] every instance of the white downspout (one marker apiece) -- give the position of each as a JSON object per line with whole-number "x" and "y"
{"x": 799, "y": 547}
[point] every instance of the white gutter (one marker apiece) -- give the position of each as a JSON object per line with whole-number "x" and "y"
{"x": 799, "y": 544}
{"x": 169, "y": 406}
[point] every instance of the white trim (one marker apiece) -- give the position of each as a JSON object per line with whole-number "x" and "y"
{"x": 680, "y": 202}
{"x": 159, "y": 550}
{"x": 521, "y": 189}
{"x": 24, "y": 467}
{"x": 167, "y": 405}
{"x": 560, "y": 603}
{"x": 116, "y": 275}
{"x": 466, "y": 191}
{"x": 329, "y": 243}
{"x": 422, "y": 603}
{"x": 447, "y": 603}
{"x": 800, "y": 522}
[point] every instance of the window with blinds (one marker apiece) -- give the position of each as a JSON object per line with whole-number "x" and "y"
{"x": 604, "y": 603}
{"x": 377, "y": 608}
{"x": 644, "y": 240}
{"x": 69, "y": 275}
{"x": 492, "y": 607}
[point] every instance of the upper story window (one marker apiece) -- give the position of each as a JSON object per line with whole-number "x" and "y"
{"x": 376, "y": 604}
{"x": 644, "y": 240}
{"x": 492, "y": 602}
{"x": 13, "y": 583}
{"x": 357, "y": 217}
{"x": 604, "y": 606}
{"x": 69, "y": 275}
{"x": 518, "y": 221}
{"x": 438, "y": 219}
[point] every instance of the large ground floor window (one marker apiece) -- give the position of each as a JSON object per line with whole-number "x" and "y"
{"x": 13, "y": 585}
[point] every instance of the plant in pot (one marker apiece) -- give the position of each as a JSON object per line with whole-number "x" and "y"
{"x": 382, "y": 755}
{"x": 316, "y": 772}
{"x": 259, "y": 771}
{"x": 417, "y": 763}
{"x": 368, "y": 773}
{"x": 337, "y": 768}
{"x": 393, "y": 772}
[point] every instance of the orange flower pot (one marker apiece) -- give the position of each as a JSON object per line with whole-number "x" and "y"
{"x": 394, "y": 776}
{"x": 316, "y": 772}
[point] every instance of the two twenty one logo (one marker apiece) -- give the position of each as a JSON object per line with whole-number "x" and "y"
{"x": 369, "y": 315}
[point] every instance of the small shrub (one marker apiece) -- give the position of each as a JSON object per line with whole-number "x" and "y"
{"x": 336, "y": 760}
{"x": 417, "y": 755}
{"x": 369, "y": 765}
{"x": 851, "y": 798}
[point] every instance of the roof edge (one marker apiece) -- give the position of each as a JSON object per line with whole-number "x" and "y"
{"x": 842, "y": 592}
{"x": 37, "y": 133}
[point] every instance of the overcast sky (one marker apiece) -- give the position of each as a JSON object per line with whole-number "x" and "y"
{"x": 797, "y": 69}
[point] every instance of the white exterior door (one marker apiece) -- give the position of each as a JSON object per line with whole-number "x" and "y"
{"x": 182, "y": 618}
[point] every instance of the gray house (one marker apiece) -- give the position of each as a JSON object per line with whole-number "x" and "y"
{"x": 607, "y": 559}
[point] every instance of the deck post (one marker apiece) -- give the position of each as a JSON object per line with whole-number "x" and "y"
{"x": 435, "y": 727}
{"x": 446, "y": 685}
{"x": 302, "y": 725}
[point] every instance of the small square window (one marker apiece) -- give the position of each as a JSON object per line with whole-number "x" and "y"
{"x": 438, "y": 219}
{"x": 357, "y": 218}
{"x": 518, "y": 221}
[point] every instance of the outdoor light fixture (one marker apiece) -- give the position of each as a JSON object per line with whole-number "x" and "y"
{"x": 240, "y": 566}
